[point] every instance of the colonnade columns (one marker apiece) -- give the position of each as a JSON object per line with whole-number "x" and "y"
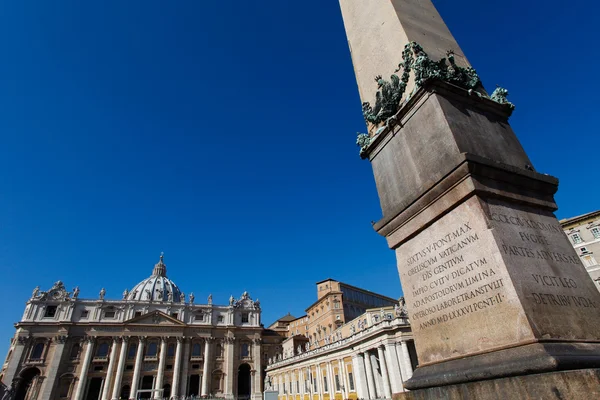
{"x": 330, "y": 380}
{"x": 160, "y": 375}
{"x": 229, "y": 373}
{"x": 15, "y": 360}
{"x": 387, "y": 391}
{"x": 137, "y": 368}
{"x": 84, "y": 368}
{"x": 257, "y": 359}
{"x": 342, "y": 373}
{"x": 177, "y": 368}
{"x": 119, "y": 375}
{"x": 376, "y": 377}
{"x": 50, "y": 381}
{"x": 320, "y": 380}
{"x": 404, "y": 358}
{"x": 111, "y": 368}
{"x": 393, "y": 368}
{"x": 370, "y": 378}
{"x": 206, "y": 372}
{"x": 360, "y": 378}
{"x": 183, "y": 380}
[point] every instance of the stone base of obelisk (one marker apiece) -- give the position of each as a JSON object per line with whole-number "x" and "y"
{"x": 563, "y": 385}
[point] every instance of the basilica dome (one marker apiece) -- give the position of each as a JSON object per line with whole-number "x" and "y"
{"x": 157, "y": 287}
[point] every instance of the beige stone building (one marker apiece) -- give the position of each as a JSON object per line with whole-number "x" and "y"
{"x": 152, "y": 339}
{"x": 584, "y": 233}
{"x": 366, "y": 357}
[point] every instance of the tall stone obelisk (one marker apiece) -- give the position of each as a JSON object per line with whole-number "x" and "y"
{"x": 497, "y": 297}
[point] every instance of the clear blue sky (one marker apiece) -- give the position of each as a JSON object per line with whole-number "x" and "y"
{"x": 223, "y": 133}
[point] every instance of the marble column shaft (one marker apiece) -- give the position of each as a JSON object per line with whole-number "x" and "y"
{"x": 177, "y": 368}
{"x": 183, "y": 381}
{"x": 84, "y": 369}
{"x": 158, "y": 384}
{"x": 229, "y": 372}
{"x": 110, "y": 371}
{"x": 404, "y": 358}
{"x": 387, "y": 390}
{"x": 120, "y": 369}
{"x": 342, "y": 373}
{"x": 393, "y": 366}
{"x": 257, "y": 359}
{"x": 206, "y": 371}
{"x": 137, "y": 368}
{"x": 360, "y": 377}
{"x": 370, "y": 378}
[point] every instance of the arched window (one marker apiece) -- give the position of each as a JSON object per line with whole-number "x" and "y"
{"x": 196, "y": 350}
{"x": 125, "y": 390}
{"x": 75, "y": 351}
{"x": 65, "y": 386}
{"x": 102, "y": 350}
{"x": 152, "y": 349}
{"x": 37, "y": 352}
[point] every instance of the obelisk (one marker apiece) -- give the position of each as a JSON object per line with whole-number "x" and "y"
{"x": 497, "y": 297}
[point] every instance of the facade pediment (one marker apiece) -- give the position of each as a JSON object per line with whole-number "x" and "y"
{"x": 154, "y": 318}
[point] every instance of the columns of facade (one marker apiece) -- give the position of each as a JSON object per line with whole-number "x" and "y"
{"x": 183, "y": 380}
{"x": 376, "y": 376}
{"x": 404, "y": 359}
{"x": 301, "y": 382}
{"x": 206, "y": 372}
{"x": 342, "y": 373}
{"x": 120, "y": 367}
{"x": 137, "y": 368}
{"x": 177, "y": 368}
{"x": 320, "y": 380}
{"x": 111, "y": 368}
{"x": 15, "y": 360}
{"x": 257, "y": 359}
{"x": 229, "y": 343}
{"x": 393, "y": 367}
{"x": 330, "y": 380}
{"x": 87, "y": 358}
{"x": 370, "y": 378}
{"x": 50, "y": 382}
{"x": 387, "y": 390}
{"x": 360, "y": 377}
{"x": 280, "y": 384}
{"x": 160, "y": 375}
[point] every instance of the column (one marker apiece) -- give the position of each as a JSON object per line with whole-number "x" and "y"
{"x": 177, "y": 368}
{"x": 370, "y": 378}
{"x": 387, "y": 391}
{"x": 15, "y": 360}
{"x": 376, "y": 376}
{"x": 110, "y": 371}
{"x": 50, "y": 382}
{"x": 393, "y": 368}
{"x": 206, "y": 372}
{"x": 158, "y": 384}
{"x": 137, "y": 368}
{"x": 280, "y": 384}
{"x": 229, "y": 372}
{"x": 342, "y": 373}
{"x": 186, "y": 365}
{"x": 301, "y": 382}
{"x": 360, "y": 378}
{"x": 257, "y": 359}
{"x": 320, "y": 382}
{"x": 404, "y": 358}
{"x": 84, "y": 368}
{"x": 119, "y": 375}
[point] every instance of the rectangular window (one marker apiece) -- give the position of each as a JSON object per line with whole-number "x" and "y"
{"x": 85, "y": 314}
{"x": 245, "y": 350}
{"x": 244, "y": 318}
{"x": 337, "y": 383}
{"x": 138, "y": 313}
{"x": 325, "y": 388}
{"x": 297, "y": 386}
{"x": 175, "y": 315}
{"x": 199, "y": 317}
{"x": 576, "y": 238}
{"x": 50, "y": 312}
{"x": 220, "y": 318}
{"x": 596, "y": 232}
{"x": 131, "y": 352}
{"x": 109, "y": 314}
{"x": 351, "y": 381}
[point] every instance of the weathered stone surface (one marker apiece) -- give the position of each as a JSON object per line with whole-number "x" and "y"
{"x": 564, "y": 385}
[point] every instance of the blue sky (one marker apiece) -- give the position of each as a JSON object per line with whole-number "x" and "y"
{"x": 223, "y": 133}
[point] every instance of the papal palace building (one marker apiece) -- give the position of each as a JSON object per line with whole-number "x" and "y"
{"x": 153, "y": 338}
{"x": 154, "y": 342}
{"x": 584, "y": 233}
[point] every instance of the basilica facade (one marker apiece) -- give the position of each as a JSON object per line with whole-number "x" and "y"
{"x": 154, "y": 342}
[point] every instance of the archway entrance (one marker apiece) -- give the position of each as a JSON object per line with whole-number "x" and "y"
{"x": 243, "y": 382}
{"x": 27, "y": 386}
{"x": 94, "y": 389}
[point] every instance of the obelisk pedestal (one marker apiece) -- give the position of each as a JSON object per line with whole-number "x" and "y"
{"x": 498, "y": 300}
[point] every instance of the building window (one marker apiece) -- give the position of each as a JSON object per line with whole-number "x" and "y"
{"x": 175, "y": 315}
{"x": 245, "y": 350}
{"x": 199, "y": 317}
{"x": 325, "y": 387}
{"x": 220, "y": 318}
{"x": 37, "y": 352}
{"x": 75, "y": 351}
{"x": 171, "y": 350}
{"x": 576, "y": 238}
{"x": 50, "y": 312}
{"x": 351, "y": 381}
{"x": 196, "y": 350}
{"x": 138, "y": 314}
{"x": 596, "y": 232}
{"x": 102, "y": 350}
{"x": 109, "y": 314}
{"x": 64, "y": 387}
{"x": 583, "y": 250}
{"x": 85, "y": 314}
{"x": 152, "y": 349}
{"x": 315, "y": 385}
{"x": 589, "y": 260}
{"x": 337, "y": 383}
{"x": 244, "y": 318}
{"x": 131, "y": 352}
